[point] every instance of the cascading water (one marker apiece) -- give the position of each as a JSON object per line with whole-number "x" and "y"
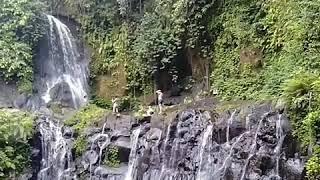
{"x": 228, "y": 126}
{"x": 62, "y": 76}
{"x": 164, "y": 149}
{"x": 101, "y": 141}
{"x": 220, "y": 172}
{"x": 133, "y": 155}
{"x": 253, "y": 147}
{"x": 56, "y": 152}
{"x": 63, "y": 68}
{"x": 190, "y": 147}
{"x": 280, "y": 137}
{"x": 206, "y": 135}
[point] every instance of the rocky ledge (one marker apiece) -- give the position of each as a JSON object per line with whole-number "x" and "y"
{"x": 245, "y": 143}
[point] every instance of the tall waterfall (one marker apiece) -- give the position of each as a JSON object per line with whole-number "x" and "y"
{"x": 62, "y": 78}
{"x": 63, "y": 74}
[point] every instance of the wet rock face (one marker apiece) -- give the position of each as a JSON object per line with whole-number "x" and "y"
{"x": 230, "y": 148}
{"x": 8, "y": 94}
{"x": 243, "y": 144}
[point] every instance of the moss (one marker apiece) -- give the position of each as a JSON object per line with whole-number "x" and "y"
{"x": 101, "y": 102}
{"x": 114, "y": 82}
{"x": 56, "y": 108}
{"x": 25, "y": 86}
{"x": 112, "y": 158}
{"x": 80, "y": 145}
{"x": 86, "y": 117}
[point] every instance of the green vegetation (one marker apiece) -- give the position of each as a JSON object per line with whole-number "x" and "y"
{"x": 260, "y": 43}
{"x": 86, "y": 117}
{"x": 147, "y": 37}
{"x": 16, "y": 129}
{"x": 302, "y": 94}
{"x": 313, "y": 165}
{"x": 256, "y": 49}
{"x": 21, "y": 27}
{"x": 80, "y": 145}
{"x": 102, "y": 103}
{"x": 112, "y": 157}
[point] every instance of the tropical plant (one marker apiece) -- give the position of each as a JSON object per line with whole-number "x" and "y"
{"x": 20, "y": 30}
{"x": 16, "y": 128}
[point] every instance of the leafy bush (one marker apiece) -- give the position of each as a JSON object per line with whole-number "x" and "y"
{"x": 311, "y": 128}
{"x": 21, "y": 28}
{"x": 280, "y": 34}
{"x": 80, "y": 145}
{"x": 15, "y": 130}
{"x": 25, "y": 86}
{"x": 313, "y": 166}
{"x": 101, "y": 102}
{"x": 112, "y": 157}
{"x": 302, "y": 94}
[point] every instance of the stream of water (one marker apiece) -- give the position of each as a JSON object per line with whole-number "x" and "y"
{"x": 63, "y": 75}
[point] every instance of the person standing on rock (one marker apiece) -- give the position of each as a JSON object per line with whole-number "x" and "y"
{"x": 115, "y": 106}
{"x": 160, "y": 100}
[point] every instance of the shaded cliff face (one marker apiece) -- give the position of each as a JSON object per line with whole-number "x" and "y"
{"x": 247, "y": 144}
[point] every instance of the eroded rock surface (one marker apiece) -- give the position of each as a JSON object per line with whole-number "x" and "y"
{"x": 247, "y": 143}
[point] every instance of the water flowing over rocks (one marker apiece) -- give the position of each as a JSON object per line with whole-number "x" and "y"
{"x": 195, "y": 145}
{"x": 61, "y": 75}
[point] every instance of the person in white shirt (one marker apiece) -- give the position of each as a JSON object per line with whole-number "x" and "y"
{"x": 160, "y": 100}
{"x": 115, "y": 105}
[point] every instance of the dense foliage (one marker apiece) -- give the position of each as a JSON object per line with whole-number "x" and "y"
{"x": 146, "y": 37}
{"x": 15, "y": 130}
{"x": 313, "y": 165}
{"x": 302, "y": 94}
{"x": 260, "y": 43}
{"x": 258, "y": 49}
{"x": 21, "y": 27}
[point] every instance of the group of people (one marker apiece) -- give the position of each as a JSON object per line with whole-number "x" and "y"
{"x": 150, "y": 111}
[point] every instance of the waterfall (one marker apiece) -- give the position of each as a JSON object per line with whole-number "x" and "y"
{"x": 102, "y": 140}
{"x": 164, "y": 150}
{"x": 220, "y": 173}
{"x": 133, "y": 155}
{"x": 280, "y": 138}
{"x": 206, "y": 135}
{"x": 228, "y": 125}
{"x": 56, "y": 152}
{"x": 248, "y": 122}
{"x": 63, "y": 68}
{"x": 253, "y": 146}
{"x": 62, "y": 76}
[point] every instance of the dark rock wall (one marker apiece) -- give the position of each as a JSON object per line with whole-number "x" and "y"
{"x": 248, "y": 143}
